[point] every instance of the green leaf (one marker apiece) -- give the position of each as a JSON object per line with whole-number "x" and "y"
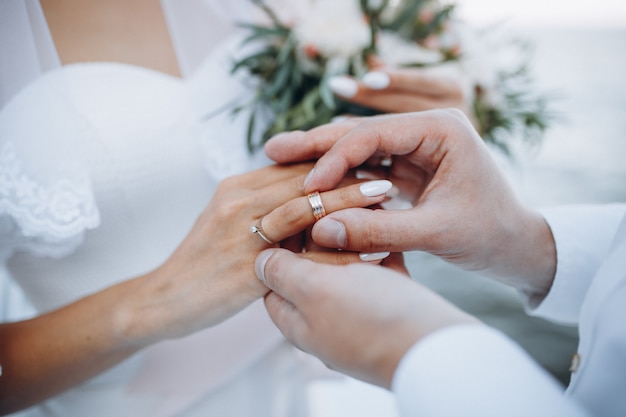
{"x": 284, "y": 102}
{"x": 261, "y": 31}
{"x": 278, "y": 83}
{"x": 410, "y": 12}
{"x": 269, "y": 12}
{"x": 298, "y": 97}
{"x": 250, "y": 132}
{"x": 326, "y": 94}
{"x": 250, "y": 60}
{"x": 287, "y": 49}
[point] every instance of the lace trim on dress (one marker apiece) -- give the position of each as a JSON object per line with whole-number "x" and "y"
{"x": 48, "y": 221}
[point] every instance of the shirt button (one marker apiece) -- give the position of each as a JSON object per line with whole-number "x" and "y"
{"x": 573, "y": 367}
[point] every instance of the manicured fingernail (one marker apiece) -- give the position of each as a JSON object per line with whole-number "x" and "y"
{"x": 376, "y": 80}
{"x": 331, "y": 232}
{"x": 308, "y": 178}
{"x": 393, "y": 192}
{"x": 371, "y": 257}
{"x": 374, "y": 188}
{"x": 339, "y": 119}
{"x": 259, "y": 264}
{"x": 363, "y": 174}
{"x": 343, "y": 86}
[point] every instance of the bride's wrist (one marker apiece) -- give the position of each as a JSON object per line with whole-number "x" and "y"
{"x": 173, "y": 301}
{"x": 143, "y": 316}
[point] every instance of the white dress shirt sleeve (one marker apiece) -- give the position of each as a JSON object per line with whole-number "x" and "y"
{"x": 474, "y": 370}
{"x": 583, "y": 236}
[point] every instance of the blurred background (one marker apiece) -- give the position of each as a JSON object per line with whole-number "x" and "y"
{"x": 580, "y": 58}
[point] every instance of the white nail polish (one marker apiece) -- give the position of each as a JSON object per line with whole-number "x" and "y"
{"x": 374, "y": 188}
{"x": 371, "y": 257}
{"x": 376, "y": 80}
{"x": 363, "y": 174}
{"x": 343, "y": 86}
{"x": 339, "y": 119}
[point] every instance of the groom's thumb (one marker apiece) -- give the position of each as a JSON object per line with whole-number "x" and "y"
{"x": 365, "y": 230}
{"x": 283, "y": 272}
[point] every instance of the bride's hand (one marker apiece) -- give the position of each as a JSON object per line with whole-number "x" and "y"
{"x": 403, "y": 90}
{"x": 210, "y": 276}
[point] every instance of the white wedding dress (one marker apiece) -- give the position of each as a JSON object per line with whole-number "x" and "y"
{"x": 104, "y": 167}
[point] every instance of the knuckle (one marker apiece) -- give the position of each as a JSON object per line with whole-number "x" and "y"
{"x": 298, "y": 182}
{"x": 229, "y": 208}
{"x": 229, "y": 183}
{"x": 453, "y": 113}
{"x": 378, "y": 239}
{"x": 455, "y": 118}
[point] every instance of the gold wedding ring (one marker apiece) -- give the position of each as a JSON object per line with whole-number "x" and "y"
{"x": 316, "y": 204}
{"x": 256, "y": 229}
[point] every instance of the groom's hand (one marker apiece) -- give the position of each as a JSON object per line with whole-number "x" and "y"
{"x": 463, "y": 208}
{"x": 359, "y": 319}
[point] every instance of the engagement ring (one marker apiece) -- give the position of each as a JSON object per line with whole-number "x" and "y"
{"x": 257, "y": 230}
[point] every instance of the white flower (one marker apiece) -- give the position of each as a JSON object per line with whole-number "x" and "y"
{"x": 288, "y": 11}
{"x": 395, "y": 50}
{"x": 477, "y": 57}
{"x": 374, "y": 4}
{"x": 494, "y": 98}
{"x": 334, "y": 28}
{"x": 487, "y": 54}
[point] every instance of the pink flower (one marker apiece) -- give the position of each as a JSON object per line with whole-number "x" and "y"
{"x": 426, "y": 16}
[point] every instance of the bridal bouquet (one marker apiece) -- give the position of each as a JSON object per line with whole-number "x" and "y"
{"x": 297, "y": 51}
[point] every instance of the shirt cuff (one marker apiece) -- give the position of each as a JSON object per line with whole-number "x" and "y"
{"x": 583, "y": 236}
{"x": 474, "y": 370}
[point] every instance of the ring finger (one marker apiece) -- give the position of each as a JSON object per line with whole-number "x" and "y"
{"x": 296, "y": 214}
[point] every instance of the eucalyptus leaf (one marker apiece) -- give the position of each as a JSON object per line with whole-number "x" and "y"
{"x": 326, "y": 94}
{"x": 250, "y": 132}
{"x": 278, "y": 83}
